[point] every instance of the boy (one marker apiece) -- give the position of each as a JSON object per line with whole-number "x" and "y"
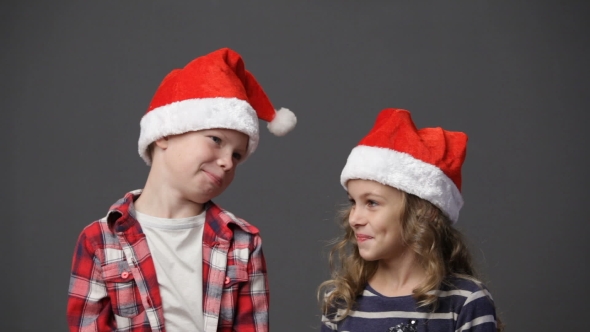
{"x": 166, "y": 257}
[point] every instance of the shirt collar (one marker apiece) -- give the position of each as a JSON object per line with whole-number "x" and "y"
{"x": 217, "y": 219}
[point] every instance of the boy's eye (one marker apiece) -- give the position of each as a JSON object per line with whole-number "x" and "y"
{"x": 237, "y": 156}
{"x": 215, "y": 139}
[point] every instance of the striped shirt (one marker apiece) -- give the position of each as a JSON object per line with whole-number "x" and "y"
{"x": 463, "y": 306}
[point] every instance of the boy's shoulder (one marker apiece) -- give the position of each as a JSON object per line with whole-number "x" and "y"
{"x": 98, "y": 237}
{"x": 224, "y": 222}
{"x": 102, "y": 231}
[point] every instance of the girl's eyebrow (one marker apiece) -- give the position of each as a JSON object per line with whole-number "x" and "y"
{"x": 365, "y": 195}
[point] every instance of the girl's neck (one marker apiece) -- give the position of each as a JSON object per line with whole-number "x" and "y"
{"x": 398, "y": 277}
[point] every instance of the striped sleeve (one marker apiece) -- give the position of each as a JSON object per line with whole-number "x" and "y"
{"x": 327, "y": 325}
{"x": 327, "y": 317}
{"x": 478, "y": 313}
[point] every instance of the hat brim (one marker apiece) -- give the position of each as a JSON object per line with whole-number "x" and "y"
{"x": 404, "y": 172}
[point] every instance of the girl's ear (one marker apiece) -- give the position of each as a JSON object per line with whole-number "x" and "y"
{"x": 162, "y": 143}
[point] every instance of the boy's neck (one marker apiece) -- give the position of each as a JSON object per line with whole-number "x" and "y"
{"x": 163, "y": 202}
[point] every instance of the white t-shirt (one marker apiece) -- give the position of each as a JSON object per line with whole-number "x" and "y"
{"x": 177, "y": 251}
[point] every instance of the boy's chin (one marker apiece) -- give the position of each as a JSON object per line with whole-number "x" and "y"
{"x": 202, "y": 199}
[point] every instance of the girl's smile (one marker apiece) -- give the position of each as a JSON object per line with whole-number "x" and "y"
{"x": 363, "y": 237}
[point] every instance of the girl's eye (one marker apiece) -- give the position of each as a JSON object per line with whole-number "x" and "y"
{"x": 351, "y": 201}
{"x": 237, "y": 156}
{"x": 371, "y": 203}
{"x": 215, "y": 139}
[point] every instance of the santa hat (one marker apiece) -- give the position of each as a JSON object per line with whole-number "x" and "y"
{"x": 212, "y": 91}
{"x": 424, "y": 162}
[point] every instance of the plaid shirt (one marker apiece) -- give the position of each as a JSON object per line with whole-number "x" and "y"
{"x": 113, "y": 285}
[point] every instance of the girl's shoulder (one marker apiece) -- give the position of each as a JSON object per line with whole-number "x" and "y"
{"x": 463, "y": 290}
{"x": 470, "y": 302}
{"x": 465, "y": 283}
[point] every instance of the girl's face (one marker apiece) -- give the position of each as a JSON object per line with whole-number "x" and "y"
{"x": 375, "y": 218}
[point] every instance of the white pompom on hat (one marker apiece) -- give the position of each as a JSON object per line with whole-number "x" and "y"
{"x": 423, "y": 162}
{"x": 212, "y": 91}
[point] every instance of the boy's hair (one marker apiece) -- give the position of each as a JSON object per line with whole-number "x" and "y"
{"x": 426, "y": 231}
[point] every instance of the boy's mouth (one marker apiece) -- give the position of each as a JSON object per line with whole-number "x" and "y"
{"x": 216, "y": 179}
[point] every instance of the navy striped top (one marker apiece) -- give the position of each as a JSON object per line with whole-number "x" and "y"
{"x": 463, "y": 306}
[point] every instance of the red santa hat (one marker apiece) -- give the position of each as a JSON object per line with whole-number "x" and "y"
{"x": 424, "y": 162}
{"x": 212, "y": 91}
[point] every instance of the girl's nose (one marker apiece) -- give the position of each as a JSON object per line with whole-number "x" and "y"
{"x": 355, "y": 217}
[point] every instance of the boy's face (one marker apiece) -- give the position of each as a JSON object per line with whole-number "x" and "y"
{"x": 200, "y": 165}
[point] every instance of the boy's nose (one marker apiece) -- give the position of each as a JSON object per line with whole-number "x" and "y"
{"x": 225, "y": 162}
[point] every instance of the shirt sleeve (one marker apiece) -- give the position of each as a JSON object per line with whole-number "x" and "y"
{"x": 328, "y": 326}
{"x": 88, "y": 306}
{"x": 253, "y": 297}
{"x": 478, "y": 313}
{"x": 327, "y": 323}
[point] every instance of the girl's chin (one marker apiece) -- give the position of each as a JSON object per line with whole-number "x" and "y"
{"x": 367, "y": 257}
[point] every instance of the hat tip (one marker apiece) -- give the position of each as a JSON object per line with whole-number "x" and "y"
{"x": 283, "y": 122}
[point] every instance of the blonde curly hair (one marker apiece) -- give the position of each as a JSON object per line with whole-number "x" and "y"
{"x": 426, "y": 231}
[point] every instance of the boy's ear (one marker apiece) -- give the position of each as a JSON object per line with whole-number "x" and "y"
{"x": 162, "y": 143}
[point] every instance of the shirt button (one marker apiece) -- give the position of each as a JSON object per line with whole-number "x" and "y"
{"x": 227, "y": 280}
{"x": 124, "y": 275}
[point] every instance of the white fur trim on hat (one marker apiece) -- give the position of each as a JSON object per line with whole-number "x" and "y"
{"x": 198, "y": 114}
{"x": 404, "y": 172}
{"x": 284, "y": 122}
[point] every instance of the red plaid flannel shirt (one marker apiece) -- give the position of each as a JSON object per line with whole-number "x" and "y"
{"x": 113, "y": 285}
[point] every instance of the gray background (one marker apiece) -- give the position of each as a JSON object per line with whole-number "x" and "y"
{"x": 78, "y": 76}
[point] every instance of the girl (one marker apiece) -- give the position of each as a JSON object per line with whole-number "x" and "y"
{"x": 401, "y": 266}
